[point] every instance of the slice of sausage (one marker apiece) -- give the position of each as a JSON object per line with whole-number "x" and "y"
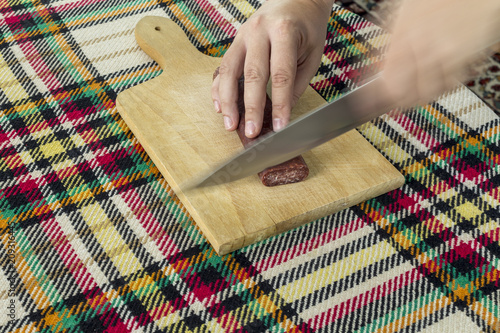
{"x": 291, "y": 171}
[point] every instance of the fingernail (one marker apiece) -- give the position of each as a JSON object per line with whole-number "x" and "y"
{"x": 277, "y": 124}
{"x": 217, "y": 106}
{"x": 228, "y": 123}
{"x": 249, "y": 128}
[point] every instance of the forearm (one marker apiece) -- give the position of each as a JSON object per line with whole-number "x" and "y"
{"x": 433, "y": 42}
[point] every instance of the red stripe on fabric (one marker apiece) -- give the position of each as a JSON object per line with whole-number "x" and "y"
{"x": 151, "y": 225}
{"x": 405, "y": 202}
{"x": 118, "y": 327}
{"x": 414, "y": 130}
{"x": 59, "y": 240}
{"x": 331, "y": 81}
{"x": 110, "y": 318}
{"x": 27, "y": 187}
{"x": 490, "y": 237}
{"x": 313, "y": 243}
{"x": 361, "y": 25}
{"x": 467, "y": 172}
{"x": 354, "y": 75}
{"x": 76, "y": 4}
{"x": 217, "y": 17}
{"x": 32, "y": 56}
{"x": 357, "y": 302}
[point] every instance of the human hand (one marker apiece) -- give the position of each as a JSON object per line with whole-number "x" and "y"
{"x": 433, "y": 42}
{"x": 282, "y": 41}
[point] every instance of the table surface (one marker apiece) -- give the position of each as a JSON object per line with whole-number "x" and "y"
{"x": 94, "y": 239}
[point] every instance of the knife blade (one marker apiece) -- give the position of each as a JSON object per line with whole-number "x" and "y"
{"x": 312, "y": 129}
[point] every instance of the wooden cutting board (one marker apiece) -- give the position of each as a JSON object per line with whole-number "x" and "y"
{"x": 174, "y": 119}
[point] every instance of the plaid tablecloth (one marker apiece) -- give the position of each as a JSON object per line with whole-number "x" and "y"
{"x": 94, "y": 240}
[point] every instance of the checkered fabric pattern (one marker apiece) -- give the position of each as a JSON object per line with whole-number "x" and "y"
{"x": 94, "y": 240}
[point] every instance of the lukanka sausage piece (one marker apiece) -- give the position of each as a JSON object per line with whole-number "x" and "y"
{"x": 291, "y": 171}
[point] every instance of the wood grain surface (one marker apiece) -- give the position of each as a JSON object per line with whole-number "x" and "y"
{"x": 174, "y": 119}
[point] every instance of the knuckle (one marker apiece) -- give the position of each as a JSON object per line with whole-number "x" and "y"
{"x": 251, "y": 110}
{"x": 227, "y": 107}
{"x": 281, "y": 78}
{"x": 284, "y": 27}
{"x": 280, "y": 107}
{"x": 252, "y": 74}
{"x": 255, "y": 22}
{"x": 224, "y": 69}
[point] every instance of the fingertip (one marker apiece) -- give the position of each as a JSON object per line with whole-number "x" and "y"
{"x": 230, "y": 119}
{"x": 217, "y": 106}
{"x": 228, "y": 123}
{"x": 250, "y": 129}
{"x": 278, "y": 124}
{"x": 280, "y": 115}
{"x": 215, "y": 93}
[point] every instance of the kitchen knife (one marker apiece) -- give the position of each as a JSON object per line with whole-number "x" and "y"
{"x": 302, "y": 134}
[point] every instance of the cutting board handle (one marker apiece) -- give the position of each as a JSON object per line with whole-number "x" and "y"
{"x": 164, "y": 41}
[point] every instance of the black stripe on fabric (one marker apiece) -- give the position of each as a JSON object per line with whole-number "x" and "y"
{"x": 15, "y": 66}
{"x": 129, "y": 237}
{"x": 4, "y": 34}
{"x": 481, "y": 323}
{"x": 234, "y": 11}
{"x": 325, "y": 260}
{"x": 429, "y": 320}
{"x": 95, "y": 10}
{"x": 220, "y": 35}
{"x": 150, "y": 71}
{"x": 398, "y": 299}
{"x": 346, "y": 283}
{"x": 92, "y": 245}
{"x": 54, "y": 270}
{"x": 401, "y": 139}
{"x": 207, "y": 22}
{"x": 299, "y": 235}
{"x": 453, "y": 117}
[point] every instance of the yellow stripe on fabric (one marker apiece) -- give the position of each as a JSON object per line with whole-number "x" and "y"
{"x": 355, "y": 44}
{"x": 491, "y": 132}
{"x": 490, "y": 318}
{"x": 10, "y": 85}
{"x": 361, "y": 290}
{"x": 29, "y": 328}
{"x": 336, "y": 271}
{"x": 403, "y": 239}
{"x": 52, "y": 148}
{"x": 215, "y": 326}
{"x": 30, "y": 282}
{"x": 489, "y": 227}
{"x": 384, "y": 143}
{"x": 244, "y": 7}
{"x": 423, "y": 312}
{"x": 492, "y": 200}
{"x": 168, "y": 320}
{"x": 272, "y": 306}
{"x": 379, "y": 40}
{"x": 111, "y": 241}
{"x": 101, "y": 17}
{"x": 445, "y": 121}
{"x": 25, "y": 157}
{"x": 468, "y": 210}
{"x": 146, "y": 283}
{"x": 187, "y": 21}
